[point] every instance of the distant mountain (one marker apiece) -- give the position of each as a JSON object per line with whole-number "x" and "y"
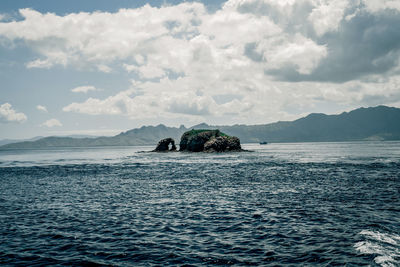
{"x": 9, "y": 141}
{"x": 142, "y": 136}
{"x": 375, "y": 123}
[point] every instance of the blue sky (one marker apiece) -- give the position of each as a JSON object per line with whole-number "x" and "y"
{"x": 74, "y": 6}
{"x": 101, "y": 67}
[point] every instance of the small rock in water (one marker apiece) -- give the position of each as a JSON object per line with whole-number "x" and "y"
{"x": 164, "y": 145}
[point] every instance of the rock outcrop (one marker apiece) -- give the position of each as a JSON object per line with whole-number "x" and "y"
{"x": 194, "y": 140}
{"x": 208, "y": 141}
{"x": 222, "y": 143}
{"x": 201, "y": 141}
{"x": 165, "y": 145}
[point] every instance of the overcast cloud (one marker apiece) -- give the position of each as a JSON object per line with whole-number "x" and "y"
{"x": 251, "y": 61}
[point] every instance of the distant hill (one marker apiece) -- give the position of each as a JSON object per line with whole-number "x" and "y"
{"x": 375, "y": 123}
{"x": 145, "y": 135}
{"x": 9, "y": 141}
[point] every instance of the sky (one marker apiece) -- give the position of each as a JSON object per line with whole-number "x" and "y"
{"x": 99, "y": 67}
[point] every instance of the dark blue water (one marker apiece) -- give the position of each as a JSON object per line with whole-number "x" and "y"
{"x": 284, "y": 204}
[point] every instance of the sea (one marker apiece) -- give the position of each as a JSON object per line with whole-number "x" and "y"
{"x": 286, "y": 204}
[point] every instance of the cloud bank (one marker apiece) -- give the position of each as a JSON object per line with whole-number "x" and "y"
{"x": 253, "y": 60}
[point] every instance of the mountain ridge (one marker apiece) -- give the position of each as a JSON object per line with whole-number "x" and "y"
{"x": 372, "y": 123}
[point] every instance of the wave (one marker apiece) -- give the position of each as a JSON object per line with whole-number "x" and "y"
{"x": 384, "y": 246}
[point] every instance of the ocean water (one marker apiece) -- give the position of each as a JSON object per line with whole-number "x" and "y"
{"x": 321, "y": 204}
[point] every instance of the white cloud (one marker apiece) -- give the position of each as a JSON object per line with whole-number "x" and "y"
{"x": 112, "y": 105}
{"x": 130, "y": 68}
{"x": 190, "y": 104}
{"x": 8, "y": 114}
{"x": 52, "y": 123}
{"x": 104, "y": 68}
{"x": 155, "y": 41}
{"x": 299, "y": 51}
{"x": 173, "y": 99}
{"x": 41, "y": 108}
{"x": 327, "y": 16}
{"x": 52, "y": 58}
{"x": 99, "y": 38}
{"x": 146, "y": 71}
{"x": 38, "y": 63}
{"x": 379, "y": 5}
{"x": 205, "y": 52}
{"x": 256, "y": 99}
{"x": 84, "y": 89}
{"x": 183, "y": 56}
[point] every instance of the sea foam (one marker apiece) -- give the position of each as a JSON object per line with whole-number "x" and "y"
{"x": 384, "y": 245}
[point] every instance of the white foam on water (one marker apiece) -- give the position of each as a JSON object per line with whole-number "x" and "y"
{"x": 385, "y": 261}
{"x": 288, "y": 190}
{"x": 391, "y": 239}
{"x": 385, "y": 246}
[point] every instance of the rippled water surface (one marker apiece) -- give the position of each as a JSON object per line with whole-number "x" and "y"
{"x": 317, "y": 204}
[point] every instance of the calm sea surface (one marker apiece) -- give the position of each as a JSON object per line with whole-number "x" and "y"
{"x": 319, "y": 204}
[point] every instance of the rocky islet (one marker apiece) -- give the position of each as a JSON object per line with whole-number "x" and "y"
{"x": 201, "y": 141}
